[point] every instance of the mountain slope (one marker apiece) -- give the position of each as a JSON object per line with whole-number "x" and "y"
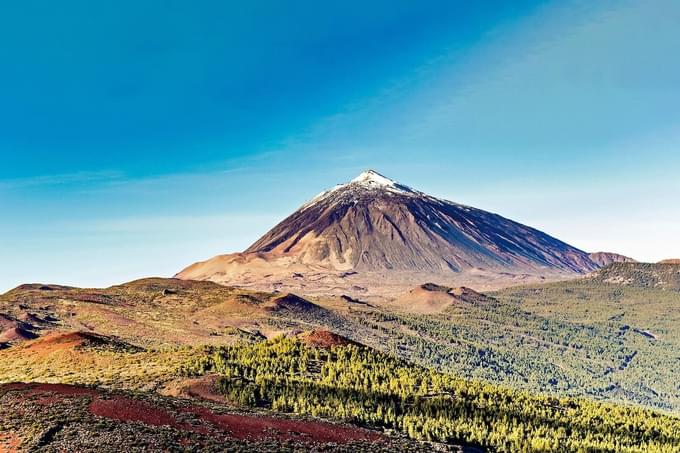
{"x": 375, "y": 225}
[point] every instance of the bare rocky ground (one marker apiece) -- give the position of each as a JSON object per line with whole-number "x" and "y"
{"x": 54, "y": 417}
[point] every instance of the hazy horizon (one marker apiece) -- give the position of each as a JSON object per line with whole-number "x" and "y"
{"x": 136, "y": 139}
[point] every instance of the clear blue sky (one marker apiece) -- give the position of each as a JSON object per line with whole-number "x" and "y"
{"x": 139, "y": 136}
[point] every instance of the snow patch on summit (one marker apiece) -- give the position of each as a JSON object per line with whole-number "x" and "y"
{"x": 368, "y": 180}
{"x": 373, "y": 180}
{"x": 372, "y": 177}
{"x": 322, "y": 195}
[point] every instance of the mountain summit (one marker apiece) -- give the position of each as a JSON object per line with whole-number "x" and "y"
{"x": 374, "y": 179}
{"x": 375, "y": 226}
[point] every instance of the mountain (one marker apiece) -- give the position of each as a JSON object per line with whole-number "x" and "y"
{"x": 374, "y": 229}
{"x": 603, "y": 259}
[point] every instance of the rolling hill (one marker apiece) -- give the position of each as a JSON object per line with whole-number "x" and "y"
{"x": 592, "y": 336}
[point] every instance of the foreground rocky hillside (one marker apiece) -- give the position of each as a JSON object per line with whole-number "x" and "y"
{"x": 57, "y": 417}
{"x": 312, "y": 392}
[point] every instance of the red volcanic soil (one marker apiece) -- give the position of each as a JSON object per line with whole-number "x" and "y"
{"x": 59, "y": 341}
{"x": 16, "y": 334}
{"x": 59, "y": 389}
{"x": 251, "y": 427}
{"x": 6, "y": 322}
{"x": 235, "y": 426}
{"x": 62, "y": 389}
{"x": 130, "y": 410}
{"x": 9, "y": 442}
{"x": 12, "y": 330}
{"x": 324, "y": 339}
{"x": 48, "y": 393}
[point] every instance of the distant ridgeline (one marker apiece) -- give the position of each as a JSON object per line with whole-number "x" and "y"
{"x": 364, "y": 386}
{"x": 642, "y": 275}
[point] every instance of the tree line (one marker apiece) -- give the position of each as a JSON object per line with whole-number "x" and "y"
{"x": 363, "y": 386}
